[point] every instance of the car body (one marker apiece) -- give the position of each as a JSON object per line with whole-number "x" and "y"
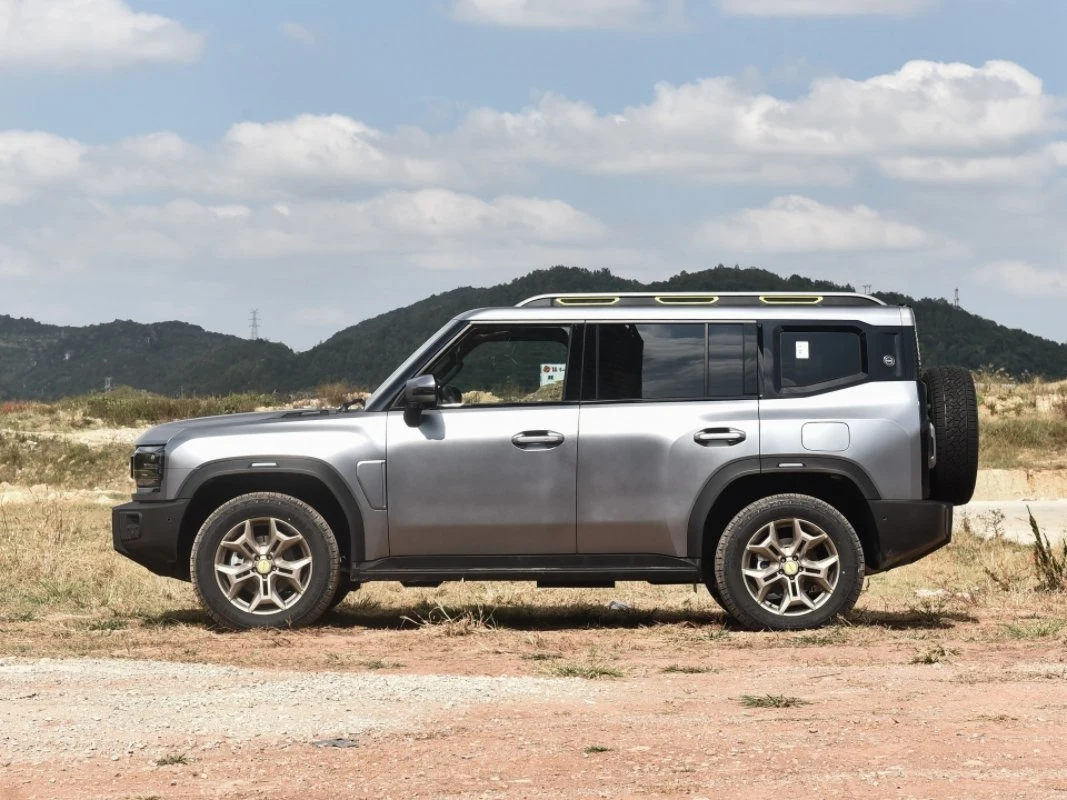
{"x": 655, "y": 420}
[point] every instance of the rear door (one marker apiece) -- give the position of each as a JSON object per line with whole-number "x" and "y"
{"x": 664, "y": 406}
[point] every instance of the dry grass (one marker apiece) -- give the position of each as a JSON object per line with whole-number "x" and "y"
{"x": 30, "y": 460}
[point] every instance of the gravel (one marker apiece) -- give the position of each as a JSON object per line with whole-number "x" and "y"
{"x": 109, "y": 708}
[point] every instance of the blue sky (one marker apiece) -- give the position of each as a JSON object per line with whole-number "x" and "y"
{"x": 325, "y": 161}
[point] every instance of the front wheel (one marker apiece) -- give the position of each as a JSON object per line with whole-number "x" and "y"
{"x": 265, "y": 560}
{"x": 788, "y": 562}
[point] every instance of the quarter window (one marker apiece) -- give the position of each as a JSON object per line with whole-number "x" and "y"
{"x": 820, "y": 358}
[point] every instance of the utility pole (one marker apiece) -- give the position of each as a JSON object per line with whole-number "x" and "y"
{"x": 956, "y": 298}
{"x": 254, "y": 323}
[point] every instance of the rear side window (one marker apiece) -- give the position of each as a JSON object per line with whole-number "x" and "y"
{"x": 821, "y": 358}
{"x": 650, "y": 362}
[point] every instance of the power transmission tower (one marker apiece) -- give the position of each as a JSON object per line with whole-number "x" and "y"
{"x": 866, "y": 288}
{"x": 253, "y": 322}
{"x": 956, "y": 299}
{"x": 107, "y": 384}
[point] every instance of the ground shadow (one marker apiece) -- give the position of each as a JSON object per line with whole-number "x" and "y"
{"x": 908, "y": 619}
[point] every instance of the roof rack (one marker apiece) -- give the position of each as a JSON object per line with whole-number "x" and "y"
{"x": 602, "y": 299}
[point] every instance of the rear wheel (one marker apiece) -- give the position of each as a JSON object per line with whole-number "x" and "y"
{"x": 787, "y": 562}
{"x": 265, "y": 560}
{"x": 954, "y": 412}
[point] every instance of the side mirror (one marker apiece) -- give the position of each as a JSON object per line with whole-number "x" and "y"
{"x": 419, "y": 393}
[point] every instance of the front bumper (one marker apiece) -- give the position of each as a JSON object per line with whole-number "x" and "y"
{"x": 149, "y": 533}
{"x": 909, "y": 530}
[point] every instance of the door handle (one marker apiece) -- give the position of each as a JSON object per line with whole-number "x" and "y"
{"x": 537, "y": 440}
{"x": 728, "y": 436}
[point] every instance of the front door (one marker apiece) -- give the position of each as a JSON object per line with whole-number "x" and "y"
{"x": 671, "y": 404}
{"x": 492, "y": 471}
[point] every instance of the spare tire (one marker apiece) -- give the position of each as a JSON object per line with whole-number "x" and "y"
{"x": 954, "y": 411}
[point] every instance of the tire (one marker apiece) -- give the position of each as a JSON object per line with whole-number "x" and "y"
{"x": 275, "y": 555}
{"x": 761, "y": 541}
{"x": 954, "y": 412}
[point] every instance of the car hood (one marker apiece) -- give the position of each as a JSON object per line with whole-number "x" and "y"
{"x": 225, "y": 423}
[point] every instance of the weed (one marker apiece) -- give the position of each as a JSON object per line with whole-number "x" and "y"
{"x": 687, "y": 669}
{"x": 110, "y": 624}
{"x": 771, "y": 701}
{"x": 172, "y": 759}
{"x": 936, "y": 654}
{"x": 596, "y": 748}
{"x": 1038, "y": 629}
{"x": 818, "y": 639}
{"x": 1051, "y": 568}
{"x": 454, "y": 623}
{"x": 589, "y": 671}
{"x": 380, "y": 663}
{"x": 540, "y": 656}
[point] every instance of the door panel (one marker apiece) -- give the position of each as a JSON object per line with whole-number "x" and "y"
{"x": 482, "y": 481}
{"x": 642, "y": 465}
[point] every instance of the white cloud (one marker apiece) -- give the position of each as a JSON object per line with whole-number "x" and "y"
{"x": 1002, "y": 169}
{"x": 89, "y": 34}
{"x": 31, "y": 159}
{"x": 422, "y": 225}
{"x": 14, "y": 263}
{"x": 1023, "y": 279}
{"x": 717, "y": 129}
{"x": 823, "y": 8}
{"x": 797, "y": 224}
{"x": 298, "y": 33}
{"x": 558, "y": 14}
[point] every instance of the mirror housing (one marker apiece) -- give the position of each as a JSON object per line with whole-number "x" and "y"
{"x": 419, "y": 393}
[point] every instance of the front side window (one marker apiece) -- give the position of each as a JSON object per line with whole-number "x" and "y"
{"x": 658, "y": 361}
{"x": 820, "y": 358}
{"x": 493, "y": 365}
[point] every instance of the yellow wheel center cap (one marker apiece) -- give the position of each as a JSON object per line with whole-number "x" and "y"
{"x": 790, "y": 568}
{"x": 263, "y": 566}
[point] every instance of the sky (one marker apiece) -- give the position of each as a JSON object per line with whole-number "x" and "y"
{"x": 326, "y": 161}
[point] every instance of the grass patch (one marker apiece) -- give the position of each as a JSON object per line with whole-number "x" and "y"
{"x": 937, "y": 654}
{"x": 111, "y": 624}
{"x": 596, "y": 748}
{"x": 771, "y": 701}
{"x": 380, "y": 663}
{"x": 540, "y": 656}
{"x": 1038, "y": 629}
{"x": 125, "y": 407}
{"x": 684, "y": 669}
{"x": 31, "y": 459}
{"x": 1022, "y": 442}
{"x": 172, "y": 759}
{"x": 586, "y": 670}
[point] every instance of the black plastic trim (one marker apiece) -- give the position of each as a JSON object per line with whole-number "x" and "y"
{"x": 147, "y": 533}
{"x": 286, "y": 465}
{"x": 556, "y": 568}
{"x": 710, "y": 493}
{"x": 827, "y": 465}
{"x": 909, "y": 530}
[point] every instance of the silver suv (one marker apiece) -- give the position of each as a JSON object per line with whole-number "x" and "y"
{"x": 775, "y": 447}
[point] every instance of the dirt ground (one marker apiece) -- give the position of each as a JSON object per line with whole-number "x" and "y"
{"x": 941, "y": 700}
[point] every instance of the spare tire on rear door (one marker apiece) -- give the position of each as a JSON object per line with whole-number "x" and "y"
{"x": 954, "y": 412}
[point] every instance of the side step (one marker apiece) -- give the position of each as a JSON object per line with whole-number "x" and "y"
{"x": 565, "y": 569}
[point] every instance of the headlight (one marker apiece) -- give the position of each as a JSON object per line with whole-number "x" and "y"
{"x": 146, "y": 467}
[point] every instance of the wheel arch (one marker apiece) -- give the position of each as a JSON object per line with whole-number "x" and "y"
{"x": 314, "y": 482}
{"x": 838, "y": 482}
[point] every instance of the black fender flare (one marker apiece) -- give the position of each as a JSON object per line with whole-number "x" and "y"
{"x": 284, "y": 465}
{"x": 721, "y": 480}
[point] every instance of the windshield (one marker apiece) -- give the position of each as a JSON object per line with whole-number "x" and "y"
{"x": 388, "y": 386}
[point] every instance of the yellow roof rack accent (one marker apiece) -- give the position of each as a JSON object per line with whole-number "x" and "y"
{"x": 791, "y": 299}
{"x": 687, "y": 300}
{"x": 587, "y": 301}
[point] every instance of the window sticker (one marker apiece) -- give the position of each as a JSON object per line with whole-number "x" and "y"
{"x": 802, "y": 349}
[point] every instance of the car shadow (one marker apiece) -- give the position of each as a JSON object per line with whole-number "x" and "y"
{"x": 531, "y": 618}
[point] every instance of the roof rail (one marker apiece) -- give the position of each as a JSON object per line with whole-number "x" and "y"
{"x": 594, "y": 299}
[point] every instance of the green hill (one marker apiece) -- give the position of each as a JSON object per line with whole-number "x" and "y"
{"x": 44, "y": 361}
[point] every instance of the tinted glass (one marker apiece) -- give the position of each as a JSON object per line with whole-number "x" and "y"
{"x": 650, "y": 362}
{"x": 490, "y": 365}
{"x": 726, "y": 368}
{"x": 807, "y": 358}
